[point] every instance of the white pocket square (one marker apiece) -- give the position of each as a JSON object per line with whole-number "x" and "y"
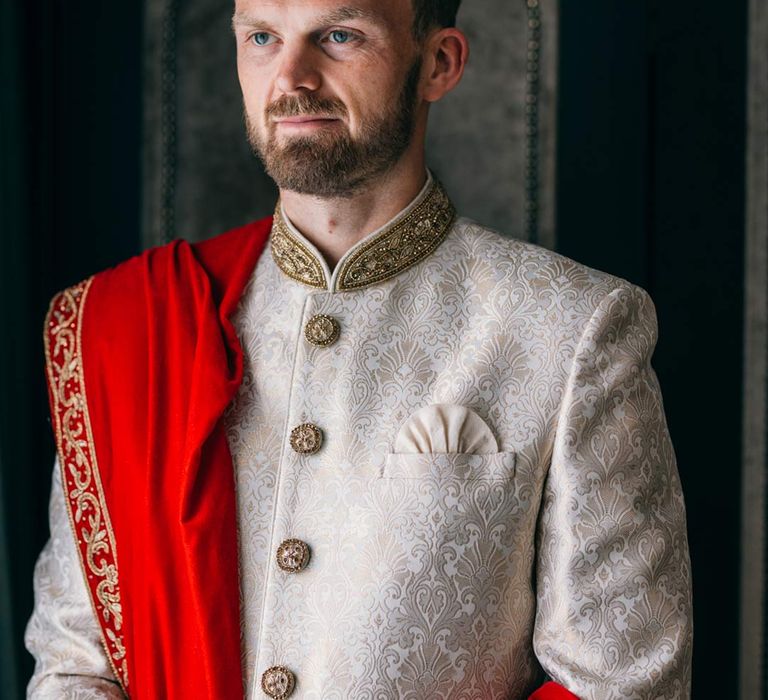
{"x": 445, "y": 427}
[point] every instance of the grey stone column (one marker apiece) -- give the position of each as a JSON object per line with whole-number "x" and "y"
{"x": 753, "y": 541}
{"x": 492, "y": 142}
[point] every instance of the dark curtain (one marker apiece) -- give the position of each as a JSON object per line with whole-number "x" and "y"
{"x": 651, "y": 187}
{"x": 70, "y": 153}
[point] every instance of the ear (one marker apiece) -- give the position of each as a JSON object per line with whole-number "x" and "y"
{"x": 445, "y": 56}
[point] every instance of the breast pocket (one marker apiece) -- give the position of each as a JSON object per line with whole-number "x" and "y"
{"x": 497, "y": 466}
{"x": 448, "y": 506}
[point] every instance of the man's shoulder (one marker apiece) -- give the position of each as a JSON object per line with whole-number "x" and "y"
{"x": 531, "y": 267}
{"x": 175, "y": 290}
{"x": 178, "y": 261}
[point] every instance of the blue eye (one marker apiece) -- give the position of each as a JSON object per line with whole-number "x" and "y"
{"x": 262, "y": 38}
{"x": 339, "y": 37}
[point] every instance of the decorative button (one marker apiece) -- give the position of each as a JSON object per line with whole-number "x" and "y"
{"x": 278, "y": 682}
{"x": 322, "y": 330}
{"x": 306, "y": 439}
{"x": 292, "y": 555}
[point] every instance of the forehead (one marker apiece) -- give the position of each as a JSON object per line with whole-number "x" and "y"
{"x": 392, "y": 13}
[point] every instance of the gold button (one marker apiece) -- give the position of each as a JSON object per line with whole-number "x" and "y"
{"x": 322, "y": 330}
{"x": 278, "y": 682}
{"x": 292, "y": 555}
{"x": 306, "y": 439}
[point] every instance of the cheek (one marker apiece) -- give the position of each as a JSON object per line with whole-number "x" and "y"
{"x": 253, "y": 75}
{"x": 246, "y": 75}
{"x": 252, "y": 86}
{"x": 376, "y": 99}
{"x": 367, "y": 92}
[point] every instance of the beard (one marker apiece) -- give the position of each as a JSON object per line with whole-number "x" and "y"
{"x": 332, "y": 163}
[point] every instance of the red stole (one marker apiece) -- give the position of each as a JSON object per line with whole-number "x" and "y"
{"x": 142, "y": 362}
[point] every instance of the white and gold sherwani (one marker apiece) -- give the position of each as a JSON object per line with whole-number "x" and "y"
{"x": 453, "y": 476}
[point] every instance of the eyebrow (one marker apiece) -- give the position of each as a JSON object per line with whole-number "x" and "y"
{"x": 341, "y": 14}
{"x": 344, "y": 14}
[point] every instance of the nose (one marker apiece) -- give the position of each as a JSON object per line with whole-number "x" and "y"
{"x": 298, "y": 70}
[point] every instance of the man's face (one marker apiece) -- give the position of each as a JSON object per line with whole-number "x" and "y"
{"x": 330, "y": 89}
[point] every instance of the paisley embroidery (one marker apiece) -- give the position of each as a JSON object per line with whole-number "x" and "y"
{"x": 406, "y": 242}
{"x": 293, "y": 257}
{"x": 84, "y": 496}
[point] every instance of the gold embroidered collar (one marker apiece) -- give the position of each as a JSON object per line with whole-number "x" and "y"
{"x": 408, "y": 239}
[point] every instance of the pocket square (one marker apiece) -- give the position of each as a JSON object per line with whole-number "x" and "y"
{"x": 445, "y": 427}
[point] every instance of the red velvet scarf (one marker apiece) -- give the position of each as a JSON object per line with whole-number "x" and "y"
{"x": 142, "y": 362}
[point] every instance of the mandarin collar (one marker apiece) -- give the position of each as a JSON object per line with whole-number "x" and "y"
{"x": 405, "y": 240}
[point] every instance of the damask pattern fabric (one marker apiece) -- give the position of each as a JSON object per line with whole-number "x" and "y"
{"x": 613, "y": 573}
{"x": 445, "y": 575}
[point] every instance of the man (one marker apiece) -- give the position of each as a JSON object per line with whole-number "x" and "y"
{"x": 452, "y": 472}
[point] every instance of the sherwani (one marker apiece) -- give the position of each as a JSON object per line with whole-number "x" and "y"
{"x": 387, "y": 551}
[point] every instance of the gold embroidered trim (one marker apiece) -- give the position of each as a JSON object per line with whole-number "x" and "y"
{"x": 293, "y": 257}
{"x": 83, "y": 491}
{"x": 408, "y": 241}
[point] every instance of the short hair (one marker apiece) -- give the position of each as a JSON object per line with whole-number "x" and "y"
{"x": 429, "y": 14}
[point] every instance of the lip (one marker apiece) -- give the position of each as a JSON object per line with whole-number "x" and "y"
{"x": 306, "y": 120}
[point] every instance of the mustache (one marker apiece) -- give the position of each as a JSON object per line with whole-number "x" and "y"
{"x": 305, "y": 105}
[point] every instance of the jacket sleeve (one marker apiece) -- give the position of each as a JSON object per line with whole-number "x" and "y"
{"x": 613, "y": 572}
{"x": 63, "y": 634}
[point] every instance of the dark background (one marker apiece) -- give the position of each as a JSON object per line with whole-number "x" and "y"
{"x": 650, "y": 187}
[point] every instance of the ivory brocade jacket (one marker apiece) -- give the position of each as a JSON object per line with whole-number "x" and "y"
{"x": 453, "y": 479}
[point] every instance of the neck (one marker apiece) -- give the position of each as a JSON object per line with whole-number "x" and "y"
{"x": 333, "y": 226}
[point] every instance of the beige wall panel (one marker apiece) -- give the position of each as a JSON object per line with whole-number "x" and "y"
{"x": 755, "y": 446}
